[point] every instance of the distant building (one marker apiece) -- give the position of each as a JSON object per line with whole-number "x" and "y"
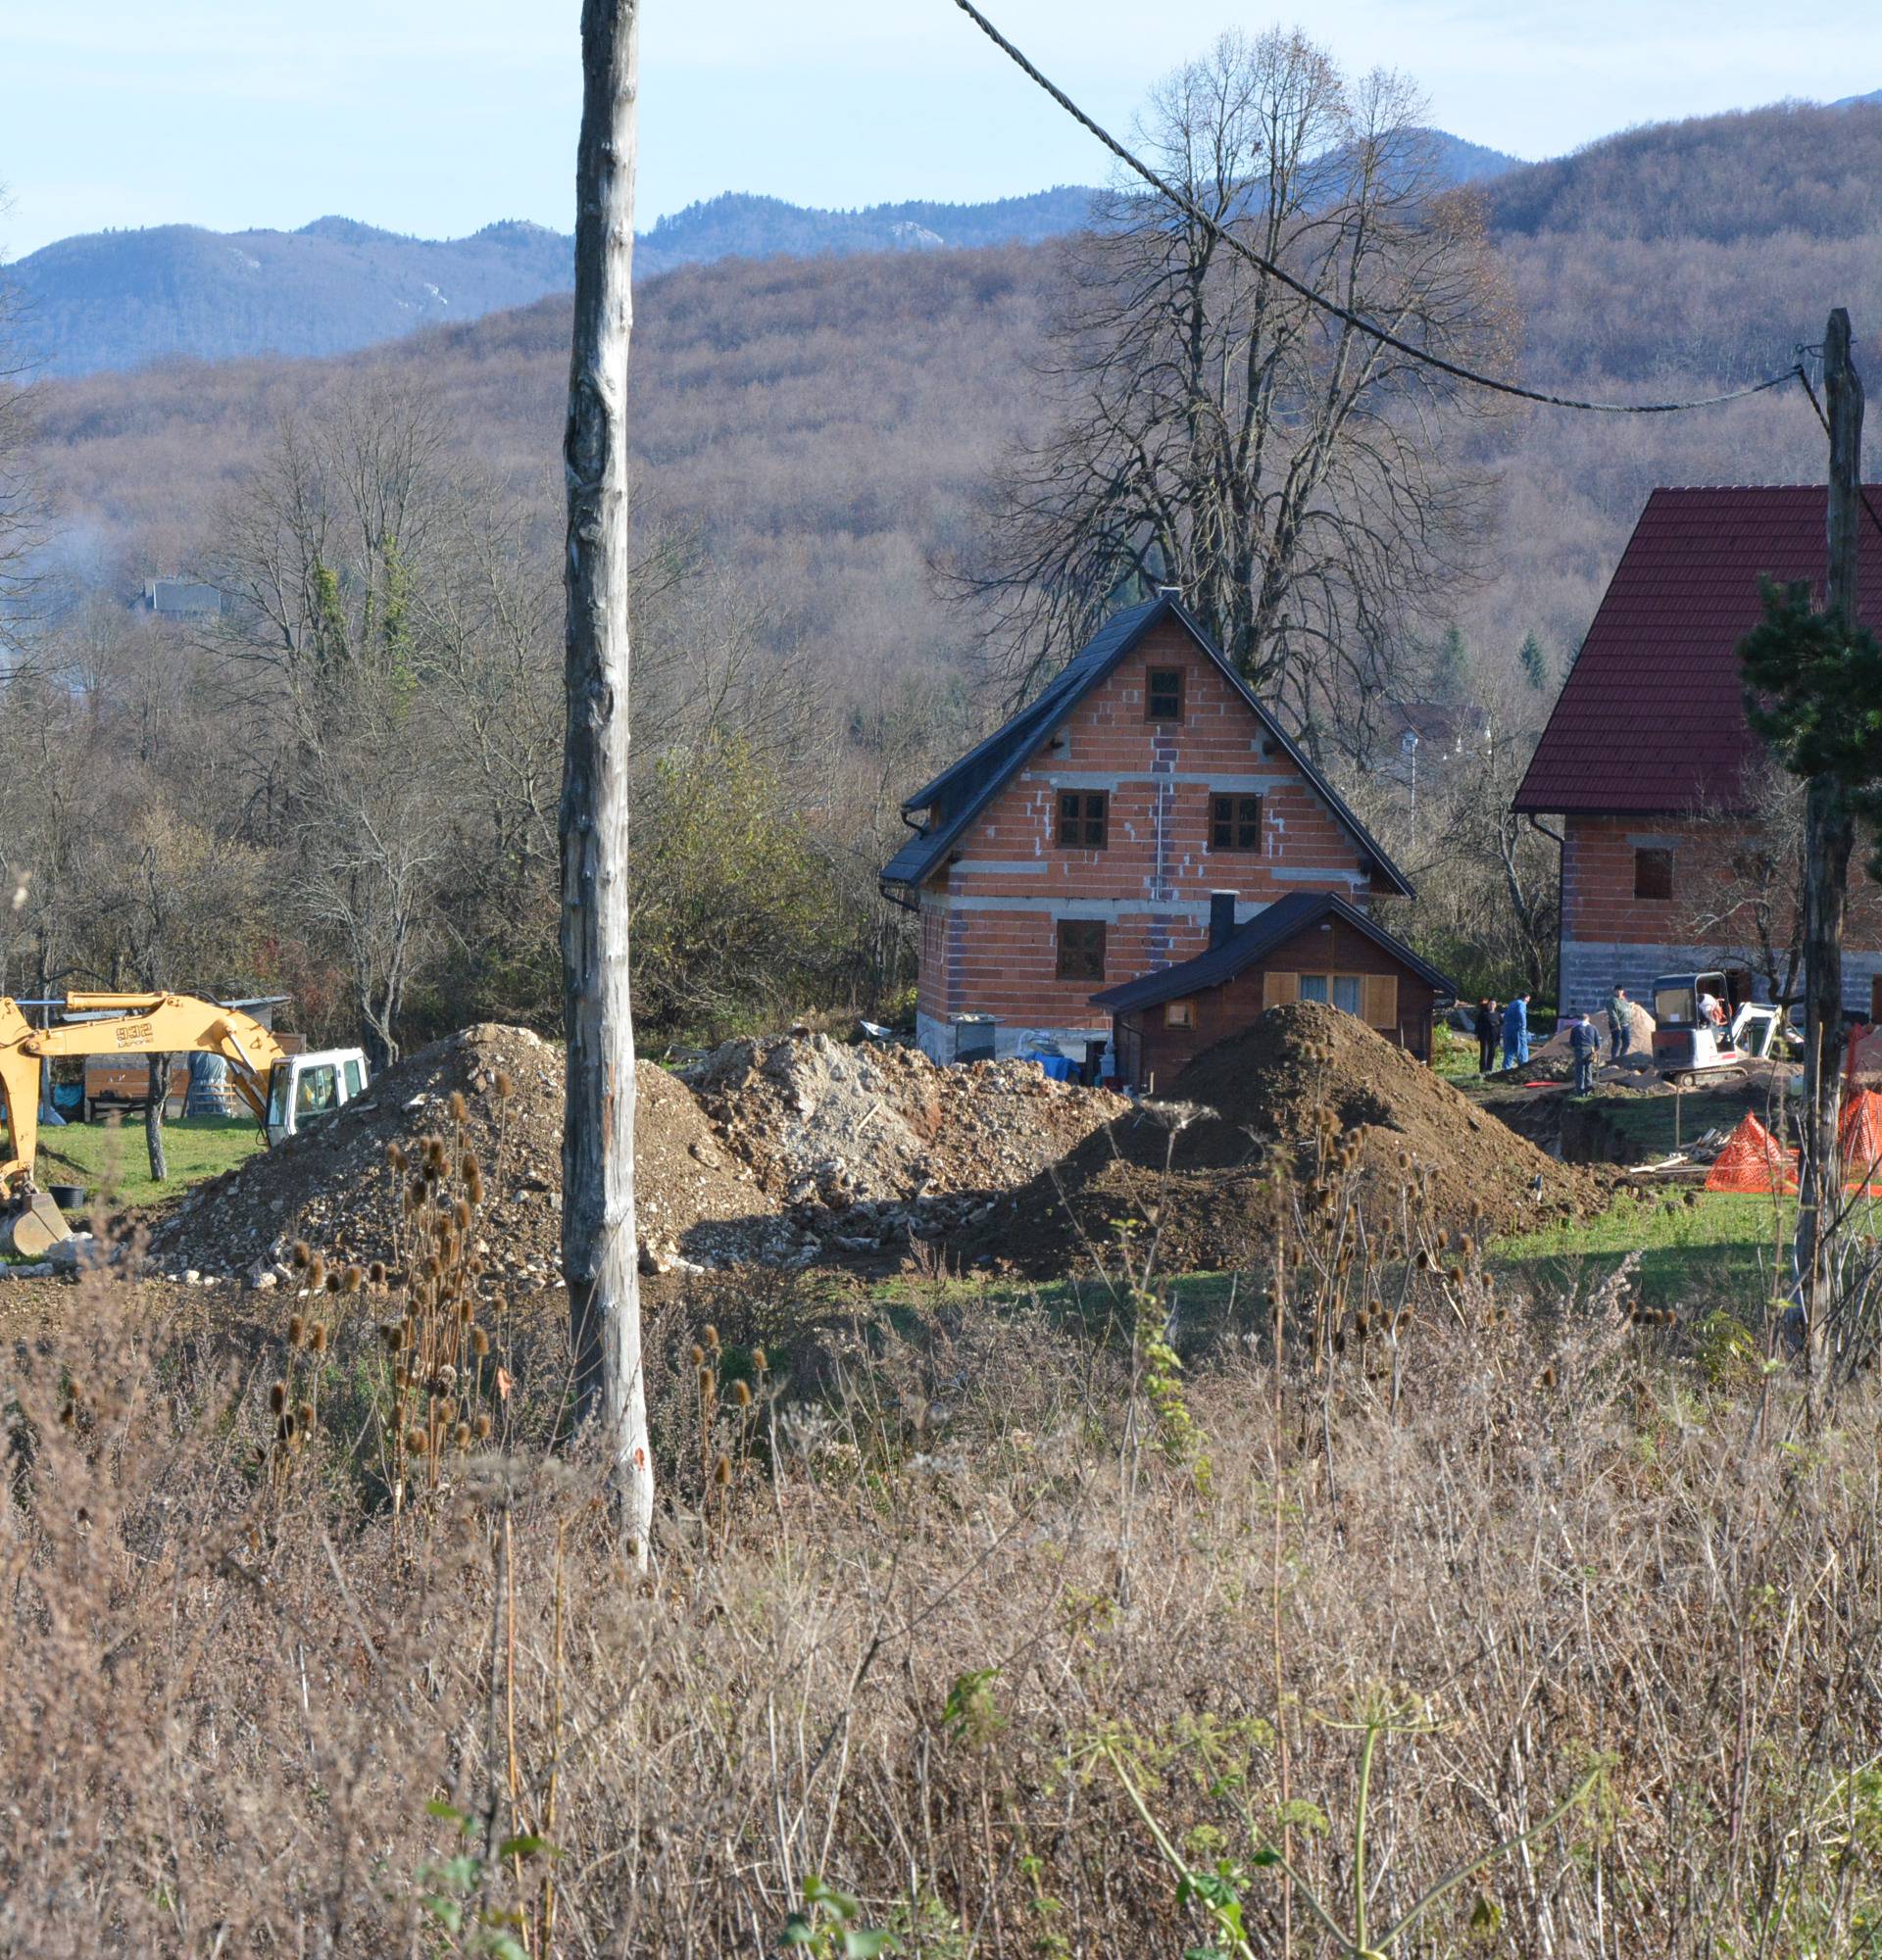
{"x": 1421, "y": 734}
{"x": 181, "y": 599}
{"x": 1645, "y": 757}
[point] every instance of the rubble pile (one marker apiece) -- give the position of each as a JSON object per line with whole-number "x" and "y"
{"x": 866, "y": 1146}
{"x": 333, "y": 1188}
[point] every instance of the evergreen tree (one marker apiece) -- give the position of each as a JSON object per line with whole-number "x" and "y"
{"x": 1451, "y": 672}
{"x": 1535, "y": 663}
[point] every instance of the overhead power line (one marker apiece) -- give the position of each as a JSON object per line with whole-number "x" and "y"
{"x": 1863, "y": 489}
{"x": 1191, "y": 210}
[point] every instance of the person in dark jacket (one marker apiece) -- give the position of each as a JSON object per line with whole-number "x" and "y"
{"x": 1584, "y": 1044}
{"x": 1486, "y": 1027}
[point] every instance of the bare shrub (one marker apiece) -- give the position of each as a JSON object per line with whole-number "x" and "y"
{"x": 893, "y": 1672}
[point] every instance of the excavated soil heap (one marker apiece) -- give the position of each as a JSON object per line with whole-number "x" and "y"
{"x": 1246, "y": 1096}
{"x": 331, "y": 1186}
{"x": 867, "y": 1144}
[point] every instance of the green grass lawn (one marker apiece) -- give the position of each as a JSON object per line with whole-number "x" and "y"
{"x": 111, "y": 1159}
{"x": 1716, "y": 1252}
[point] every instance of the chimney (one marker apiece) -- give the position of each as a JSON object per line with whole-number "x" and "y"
{"x": 1221, "y": 916}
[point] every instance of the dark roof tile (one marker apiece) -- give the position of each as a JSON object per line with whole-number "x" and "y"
{"x": 964, "y": 790}
{"x": 1650, "y": 720}
{"x": 1269, "y": 930}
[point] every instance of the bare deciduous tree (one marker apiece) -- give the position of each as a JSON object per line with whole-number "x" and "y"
{"x": 1288, "y": 472}
{"x": 599, "y": 1252}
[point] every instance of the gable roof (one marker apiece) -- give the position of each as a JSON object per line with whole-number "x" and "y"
{"x": 1266, "y": 932}
{"x": 967, "y": 786}
{"x": 1652, "y": 719}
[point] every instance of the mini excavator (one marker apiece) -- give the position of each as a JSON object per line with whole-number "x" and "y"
{"x": 285, "y": 1092}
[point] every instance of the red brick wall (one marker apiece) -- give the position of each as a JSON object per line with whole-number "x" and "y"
{"x": 1598, "y": 899}
{"x": 1158, "y": 870}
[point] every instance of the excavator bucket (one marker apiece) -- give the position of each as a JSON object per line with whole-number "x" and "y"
{"x": 32, "y": 1226}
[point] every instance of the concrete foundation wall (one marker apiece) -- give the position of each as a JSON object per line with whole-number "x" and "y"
{"x": 1590, "y": 968}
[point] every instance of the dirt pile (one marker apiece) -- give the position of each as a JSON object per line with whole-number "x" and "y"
{"x": 333, "y": 1188}
{"x": 1555, "y": 1061}
{"x": 1244, "y": 1097}
{"x": 866, "y": 1146}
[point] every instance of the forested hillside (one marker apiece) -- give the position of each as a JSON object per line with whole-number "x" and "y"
{"x": 826, "y": 421}
{"x": 814, "y": 434}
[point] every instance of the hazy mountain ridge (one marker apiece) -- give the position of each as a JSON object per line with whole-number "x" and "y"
{"x": 115, "y": 299}
{"x": 118, "y": 299}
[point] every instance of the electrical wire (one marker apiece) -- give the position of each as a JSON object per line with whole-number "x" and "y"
{"x": 1191, "y": 210}
{"x": 1862, "y": 489}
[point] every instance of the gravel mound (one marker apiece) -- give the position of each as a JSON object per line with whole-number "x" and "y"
{"x": 871, "y": 1146}
{"x": 791, "y": 1151}
{"x": 696, "y": 1203}
{"x": 1259, "y": 1092}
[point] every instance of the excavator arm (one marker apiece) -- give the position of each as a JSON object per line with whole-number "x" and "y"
{"x": 134, "y": 1024}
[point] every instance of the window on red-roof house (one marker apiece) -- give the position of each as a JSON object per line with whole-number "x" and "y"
{"x": 1653, "y": 872}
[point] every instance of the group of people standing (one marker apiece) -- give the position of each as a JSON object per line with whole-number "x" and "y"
{"x": 1509, "y": 1024}
{"x": 1512, "y": 1024}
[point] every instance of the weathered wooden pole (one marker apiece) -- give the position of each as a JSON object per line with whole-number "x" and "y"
{"x": 598, "y": 1241}
{"x": 1829, "y": 836}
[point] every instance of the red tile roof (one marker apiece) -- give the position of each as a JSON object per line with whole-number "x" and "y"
{"x": 1651, "y": 720}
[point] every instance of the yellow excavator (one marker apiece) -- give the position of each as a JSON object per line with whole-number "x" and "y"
{"x": 285, "y": 1092}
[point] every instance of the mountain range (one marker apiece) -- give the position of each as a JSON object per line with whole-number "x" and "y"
{"x": 118, "y": 299}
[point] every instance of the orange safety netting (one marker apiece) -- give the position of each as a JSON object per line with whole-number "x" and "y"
{"x": 1863, "y": 1063}
{"x": 1858, "y": 1140}
{"x": 1751, "y": 1160}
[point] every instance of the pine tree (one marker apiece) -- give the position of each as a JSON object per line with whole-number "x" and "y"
{"x": 1535, "y": 663}
{"x": 1451, "y": 673}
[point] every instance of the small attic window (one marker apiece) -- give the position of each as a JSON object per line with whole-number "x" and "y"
{"x": 1164, "y": 694}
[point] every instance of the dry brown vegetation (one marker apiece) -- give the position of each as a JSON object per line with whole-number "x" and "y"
{"x": 955, "y": 1635}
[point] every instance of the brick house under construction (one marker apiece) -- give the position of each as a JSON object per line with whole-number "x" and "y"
{"x": 1645, "y": 757}
{"x": 1082, "y": 844}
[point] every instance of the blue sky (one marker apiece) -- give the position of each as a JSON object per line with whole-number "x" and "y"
{"x": 436, "y": 117}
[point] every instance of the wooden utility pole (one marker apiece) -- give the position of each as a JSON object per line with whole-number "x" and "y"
{"x": 1829, "y": 836}
{"x": 599, "y": 1254}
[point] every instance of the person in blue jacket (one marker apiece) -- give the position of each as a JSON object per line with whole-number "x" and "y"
{"x": 1515, "y": 1032}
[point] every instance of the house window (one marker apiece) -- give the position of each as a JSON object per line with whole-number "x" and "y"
{"x": 1373, "y": 997}
{"x": 1164, "y": 695}
{"x": 1081, "y": 819}
{"x": 1081, "y": 948}
{"x": 1653, "y": 873}
{"x": 1179, "y": 1015}
{"x": 1234, "y": 823}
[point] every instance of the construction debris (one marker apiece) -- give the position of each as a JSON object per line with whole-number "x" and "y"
{"x": 333, "y": 1188}
{"x": 869, "y": 1145}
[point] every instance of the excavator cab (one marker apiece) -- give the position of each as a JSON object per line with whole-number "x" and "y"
{"x": 304, "y": 1088}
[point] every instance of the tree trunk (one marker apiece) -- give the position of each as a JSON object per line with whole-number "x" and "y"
{"x": 157, "y": 1089}
{"x": 1830, "y": 836}
{"x": 598, "y": 1241}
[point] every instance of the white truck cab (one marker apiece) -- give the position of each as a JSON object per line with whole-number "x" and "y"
{"x": 304, "y": 1088}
